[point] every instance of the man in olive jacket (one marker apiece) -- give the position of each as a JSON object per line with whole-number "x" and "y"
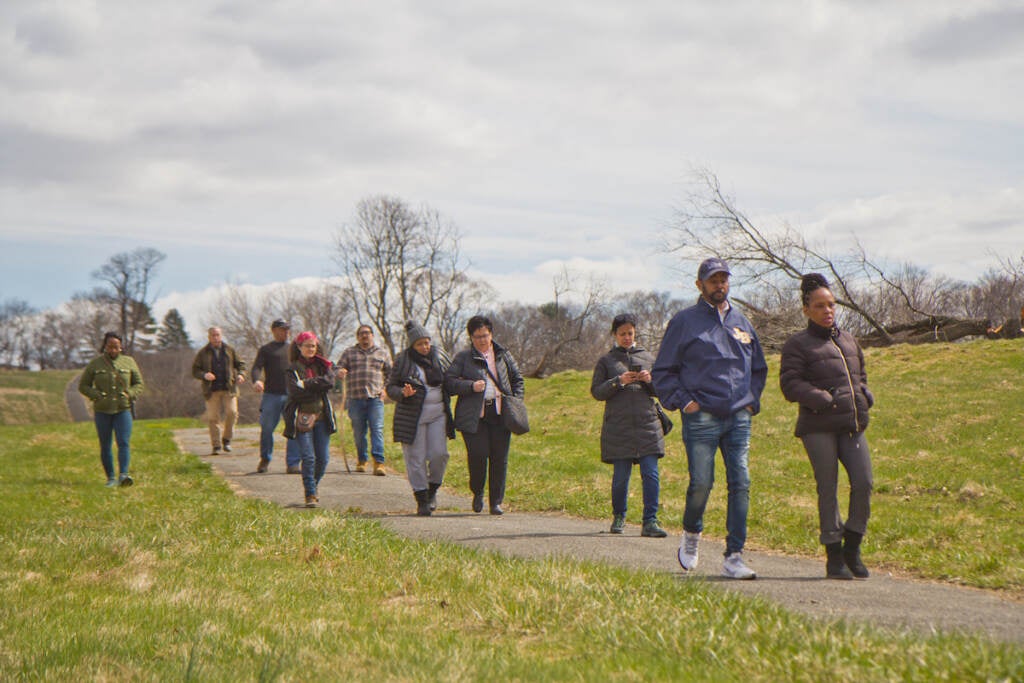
{"x": 221, "y": 370}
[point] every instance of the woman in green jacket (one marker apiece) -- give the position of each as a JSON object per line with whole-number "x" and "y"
{"x": 112, "y": 382}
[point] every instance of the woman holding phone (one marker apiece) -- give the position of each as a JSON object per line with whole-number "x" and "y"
{"x": 423, "y": 417}
{"x": 631, "y": 432}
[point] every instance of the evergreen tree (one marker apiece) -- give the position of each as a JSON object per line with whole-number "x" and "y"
{"x": 172, "y": 334}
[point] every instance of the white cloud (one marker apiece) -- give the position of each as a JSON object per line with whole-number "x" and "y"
{"x": 550, "y": 133}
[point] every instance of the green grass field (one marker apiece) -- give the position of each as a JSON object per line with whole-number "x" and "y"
{"x": 178, "y": 578}
{"x": 947, "y": 442}
{"x": 33, "y": 397}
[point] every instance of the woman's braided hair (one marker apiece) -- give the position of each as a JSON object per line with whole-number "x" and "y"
{"x": 811, "y": 282}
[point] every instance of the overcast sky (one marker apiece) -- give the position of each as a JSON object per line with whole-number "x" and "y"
{"x": 237, "y": 136}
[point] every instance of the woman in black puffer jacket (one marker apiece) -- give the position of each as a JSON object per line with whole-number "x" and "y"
{"x": 423, "y": 416}
{"x": 823, "y": 370}
{"x": 631, "y": 431}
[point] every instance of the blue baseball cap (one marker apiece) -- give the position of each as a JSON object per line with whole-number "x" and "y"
{"x": 709, "y": 267}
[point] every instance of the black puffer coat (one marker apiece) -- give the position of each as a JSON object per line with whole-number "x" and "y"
{"x": 631, "y": 427}
{"x": 467, "y": 367}
{"x": 823, "y": 370}
{"x": 408, "y": 409}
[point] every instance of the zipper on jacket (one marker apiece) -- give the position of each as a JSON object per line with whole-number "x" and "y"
{"x": 849, "y": 380}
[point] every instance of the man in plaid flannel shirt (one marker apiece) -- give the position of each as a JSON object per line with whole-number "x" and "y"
{"x": 365, "y": 368}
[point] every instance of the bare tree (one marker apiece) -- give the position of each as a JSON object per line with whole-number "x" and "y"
{"x": 245, "y": 314}
{"x": 15, "y": 324}
{"x": 128, "y": 277}
{"x": 885, "y": 306}
{"x": 399, "y": 264}
{"x": 325, "y": 309}
{"x": 242, "y": 315}
{"x": 466, "y": 298}
{"x": 653, "y": 311}
{"x": 170, "y": 389}
{"x": 59, "y": 341}
{"x": 89, "y": 319}
{"x": 561, "y": 334}
{"x": 1000, "y": 295}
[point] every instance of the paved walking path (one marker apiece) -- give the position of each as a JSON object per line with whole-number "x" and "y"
{"x": 795, "y": 583}
{"x": 78, "y": 409}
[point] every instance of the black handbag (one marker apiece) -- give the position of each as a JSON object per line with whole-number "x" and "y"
{"x": 513, "y": 410}
{"x": 513, "y": 414}
{"x": 666, "y": 421}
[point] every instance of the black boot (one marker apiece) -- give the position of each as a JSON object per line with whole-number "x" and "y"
{"x": 422, "y": 502}
{"x": 433, "y": 495}
{"x": 835, "y": 567}
{"x": 851, "y": 554}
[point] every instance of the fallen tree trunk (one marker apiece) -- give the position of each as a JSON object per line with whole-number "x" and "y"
{"x": 928, "y": 330}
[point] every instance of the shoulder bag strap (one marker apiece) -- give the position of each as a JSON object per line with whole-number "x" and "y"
{"x": 496, "y": 382}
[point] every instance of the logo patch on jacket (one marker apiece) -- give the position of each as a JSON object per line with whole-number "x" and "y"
{"x": 741, "y": 335}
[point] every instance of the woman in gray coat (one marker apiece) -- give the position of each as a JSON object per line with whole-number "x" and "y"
{"x": 631, "y": 431}
{"x": 423, "y": 417}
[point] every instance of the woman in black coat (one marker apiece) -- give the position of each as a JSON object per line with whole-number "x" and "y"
{"x": 631, "y": 431}
{"x": 308, "y": 414}
{"x": 471, "y": 377}
{"x": 423, "y": 419}
{"x": 822, "y": 369}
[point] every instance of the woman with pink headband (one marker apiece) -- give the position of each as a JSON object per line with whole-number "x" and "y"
{"x": 308, "y": 415}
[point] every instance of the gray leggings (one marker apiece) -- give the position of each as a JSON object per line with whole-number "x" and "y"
{"x": 426, "y": 458}
{"x": 825, "y": 451}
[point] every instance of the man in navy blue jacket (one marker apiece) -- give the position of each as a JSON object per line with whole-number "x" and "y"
{"x": 712, "y": 368}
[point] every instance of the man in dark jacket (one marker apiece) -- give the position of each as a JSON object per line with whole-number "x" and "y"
{"x": 272, "y": 361}
{"x": 221, "y": 371}
{"x": 711, "y": 366}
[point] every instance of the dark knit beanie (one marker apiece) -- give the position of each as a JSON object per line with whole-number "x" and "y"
{"x": 414, "y": 332}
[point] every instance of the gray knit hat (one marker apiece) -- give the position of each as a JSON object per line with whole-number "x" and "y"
{"x": 414, "y": 332}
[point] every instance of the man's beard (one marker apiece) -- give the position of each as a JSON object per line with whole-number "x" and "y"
{"x": 716, "y": 296}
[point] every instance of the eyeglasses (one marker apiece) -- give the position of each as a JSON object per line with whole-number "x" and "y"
{"x": 482, "y": 335}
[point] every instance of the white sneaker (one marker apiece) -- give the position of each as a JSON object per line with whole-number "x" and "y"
{"x": 688, "y": 551}
{"x": 734, "y": 568}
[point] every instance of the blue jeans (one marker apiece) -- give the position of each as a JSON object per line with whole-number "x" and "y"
{"x": 649, "y": 477}
{"x": 271, "y": 407}
{"x": 314, "y": 449}
{"x": 108, "y": 425}
{"x": 703, "y": 435}
{"x": 367, "y": 412}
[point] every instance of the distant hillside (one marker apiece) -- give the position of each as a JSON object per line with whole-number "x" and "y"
{"x": 33, "y": 397}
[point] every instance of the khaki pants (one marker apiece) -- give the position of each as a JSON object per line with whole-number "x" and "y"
{"x": 221, "y": 412}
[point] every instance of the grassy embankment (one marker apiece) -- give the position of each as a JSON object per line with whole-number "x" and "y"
{"x": 947, "y": 445}
{"x": 178, "y": 578}
{"x": 33, "y": 397}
